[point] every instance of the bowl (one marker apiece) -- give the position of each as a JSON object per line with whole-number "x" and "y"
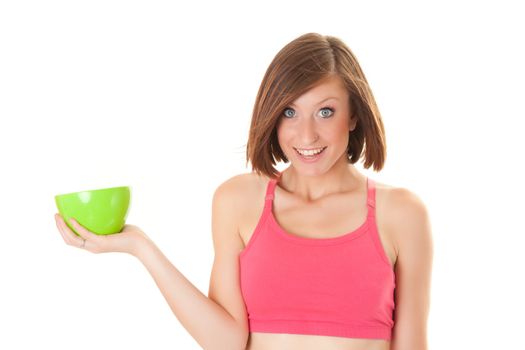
{"x": 101, "y": 211}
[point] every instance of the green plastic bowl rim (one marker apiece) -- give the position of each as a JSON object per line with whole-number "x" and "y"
{"x": 96, "y": 190}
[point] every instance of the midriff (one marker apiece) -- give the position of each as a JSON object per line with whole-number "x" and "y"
{"x": 266, "y": 341}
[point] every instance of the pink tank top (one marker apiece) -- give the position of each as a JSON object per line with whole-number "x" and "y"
{"x": 342, "y": 286}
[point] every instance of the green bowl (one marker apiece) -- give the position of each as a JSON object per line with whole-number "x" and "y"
{"x": 101, "y": 211}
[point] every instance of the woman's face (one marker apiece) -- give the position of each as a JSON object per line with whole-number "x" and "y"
{"x": 318, "y": 119}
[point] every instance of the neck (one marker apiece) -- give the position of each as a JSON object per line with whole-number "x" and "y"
{"x": 312, "y": 188}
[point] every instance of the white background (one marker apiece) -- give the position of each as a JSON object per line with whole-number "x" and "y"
{"x": 158, "y": 96}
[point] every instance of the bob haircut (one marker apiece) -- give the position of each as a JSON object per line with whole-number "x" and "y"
{"x": 299, "y": 66}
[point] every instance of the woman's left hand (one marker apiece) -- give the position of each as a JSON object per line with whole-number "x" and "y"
{"x": 128, "y": 240}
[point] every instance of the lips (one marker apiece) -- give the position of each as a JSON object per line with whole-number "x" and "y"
{"x": 322, "y": 150}
{"x": 310, "y": 159}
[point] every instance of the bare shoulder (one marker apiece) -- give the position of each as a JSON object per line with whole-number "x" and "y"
{"x": 239, "y": 191}
{"x": 408, "y": 215}
{"x": 406, "y": 204}
{"x": 242, "y": 185}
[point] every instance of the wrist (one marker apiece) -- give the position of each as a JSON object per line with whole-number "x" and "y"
{"x": 143, "y": 248}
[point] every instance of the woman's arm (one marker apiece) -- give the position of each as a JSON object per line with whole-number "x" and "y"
{"x": 215, "y": 322}
{"x": 206, "y": 321}
{"x": 412, "y": 231}
{"x": 220, "y": 320}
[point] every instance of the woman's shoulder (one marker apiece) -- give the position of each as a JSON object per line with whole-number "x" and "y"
{"x": 242, "y": 186}
{"x": 403, "y": 214}
{"x": 399, "y": 197}
{"x": 403, "y": 205}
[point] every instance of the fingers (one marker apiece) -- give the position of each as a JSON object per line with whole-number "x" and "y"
{"x": 82, "y": 231}
{"x": 86, "y": 237}
{"x": 67, "y": 235}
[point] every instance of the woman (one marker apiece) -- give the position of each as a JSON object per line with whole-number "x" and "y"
{"x": 318, "y": 256}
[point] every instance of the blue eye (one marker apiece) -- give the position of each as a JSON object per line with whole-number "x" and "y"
{"x": 329, "y": 109}
{"x": 285, "y": 114}
{"x": 323, "y": 114}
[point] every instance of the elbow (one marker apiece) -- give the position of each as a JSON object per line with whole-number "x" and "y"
{"x": 236, "y": 340}
{"x": 241, "y": 339}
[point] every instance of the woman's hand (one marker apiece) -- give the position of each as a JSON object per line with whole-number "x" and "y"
{"x": 129, "y": 240}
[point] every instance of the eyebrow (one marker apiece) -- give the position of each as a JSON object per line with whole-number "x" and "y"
{"x": 326, "y": 99}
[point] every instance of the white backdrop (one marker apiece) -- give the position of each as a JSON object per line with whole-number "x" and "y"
{"x": 158, "y": 96}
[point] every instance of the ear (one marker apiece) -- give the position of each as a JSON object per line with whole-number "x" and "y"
{"x": 352, "y": 122}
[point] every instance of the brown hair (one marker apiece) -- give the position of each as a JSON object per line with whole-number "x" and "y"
{"x": 300, "y": 65}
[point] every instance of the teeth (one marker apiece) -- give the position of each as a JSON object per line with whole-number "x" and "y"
{"x": 310, "y": 152}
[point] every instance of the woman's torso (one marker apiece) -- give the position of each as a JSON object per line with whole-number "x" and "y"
{"x": 346, "y": 213}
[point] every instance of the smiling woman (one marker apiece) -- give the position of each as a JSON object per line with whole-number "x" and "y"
{"x": 319, "y": 270}
{"x": 318, "y": 256}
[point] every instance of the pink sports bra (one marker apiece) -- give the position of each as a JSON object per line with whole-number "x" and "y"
{"x": 342, "y": 286}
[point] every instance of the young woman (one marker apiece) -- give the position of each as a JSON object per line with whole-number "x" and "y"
{"x": 317, "y": 256}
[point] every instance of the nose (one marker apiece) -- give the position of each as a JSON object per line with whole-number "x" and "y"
{"x": 307, "y": 131}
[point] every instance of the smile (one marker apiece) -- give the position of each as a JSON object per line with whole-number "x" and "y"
{"x": 310, "y": 152}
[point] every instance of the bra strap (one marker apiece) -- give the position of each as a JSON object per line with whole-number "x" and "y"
{"x": 371, "y": 196}
{"x": 270, "y": 189}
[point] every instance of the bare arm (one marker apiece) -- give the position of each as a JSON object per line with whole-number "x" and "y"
{"x": 218, "y": 321}
{"x": 206, "y": 321}
{"x": 413, "y": 272}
